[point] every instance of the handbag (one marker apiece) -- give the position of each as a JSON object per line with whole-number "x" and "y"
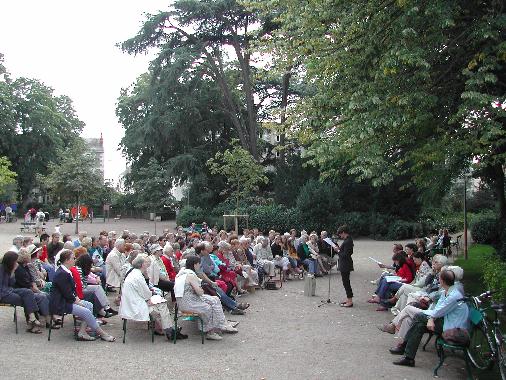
{"x": 457, "y": 336}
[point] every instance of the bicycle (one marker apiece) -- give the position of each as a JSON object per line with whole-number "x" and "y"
{"x": 487, "y": 343}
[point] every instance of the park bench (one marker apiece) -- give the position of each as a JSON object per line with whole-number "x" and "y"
{"x": 27, "y": 226}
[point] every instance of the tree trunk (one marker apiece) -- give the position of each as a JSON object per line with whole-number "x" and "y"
{"x": 499, "y": 191}
{"x": 77, "y": 214}
{"x": 284, "y": 104}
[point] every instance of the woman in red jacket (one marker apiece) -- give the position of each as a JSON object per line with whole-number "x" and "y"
{"x": 385, "y": 288}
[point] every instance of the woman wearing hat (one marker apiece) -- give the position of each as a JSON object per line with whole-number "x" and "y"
{"x": 157, "y": 272}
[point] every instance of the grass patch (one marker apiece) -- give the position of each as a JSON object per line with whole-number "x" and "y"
{"x": 478, "y": 255}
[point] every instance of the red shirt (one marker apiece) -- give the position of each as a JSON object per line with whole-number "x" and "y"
{"x": 79, "y": 283}
{"x": 43, "y": 255}
{"x": 405, "y": 273}
{"x": 169, "y": 267}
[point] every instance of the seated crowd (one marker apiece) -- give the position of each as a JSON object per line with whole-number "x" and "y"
{"x": 206, "y": 271}
{"x": 425, "y": 294}
{"x": 203, "y": 272}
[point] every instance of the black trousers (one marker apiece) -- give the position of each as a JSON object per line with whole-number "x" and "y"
{"x": 345, "y": 276}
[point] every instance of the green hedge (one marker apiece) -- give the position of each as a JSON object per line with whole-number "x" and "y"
{"x": 189, "y": 215}
{"x": 485, "y": 229}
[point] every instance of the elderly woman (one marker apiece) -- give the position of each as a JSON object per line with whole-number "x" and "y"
{"x": 169, "y": 260}
{"x": 25, "y": 280}
{"x": 262, "y": 254}
{"x": 157, "y": 273}
{"x": 138, "y": 303}
{"x": 191, "y": 298}
{"x": 304, "y": 255}
{"x": 63, "y": 299}
{"x": 17, "y": 296}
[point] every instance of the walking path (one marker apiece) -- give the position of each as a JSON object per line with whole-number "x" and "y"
{"x": 284, "y": 335}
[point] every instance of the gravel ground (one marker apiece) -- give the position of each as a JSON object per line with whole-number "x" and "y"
{"x": 284, "y": 335}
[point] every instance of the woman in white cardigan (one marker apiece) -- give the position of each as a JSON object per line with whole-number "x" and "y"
{"x": 157, "y": 273}
{"x": 137, "y": 302}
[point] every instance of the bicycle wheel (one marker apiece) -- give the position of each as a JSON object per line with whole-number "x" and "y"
{"x": 501, "y": 354}
{"x": 480, "y": 353}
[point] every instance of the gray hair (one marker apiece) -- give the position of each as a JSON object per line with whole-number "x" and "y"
{"x": 224, "y": 245}
{"x": 18, "y": 239}
{"x": 457, "y": 271}
{"x": 168, "y": 248}
{"x": 208, "y": 245}
{"x": 86, "y": 242}
{"x": 136, "y": 246}
{"x": 119, "y": 243}
{"x": 132, "y": 255}
{"x": 440, "y": 259}
{"x": 139, "y": 260}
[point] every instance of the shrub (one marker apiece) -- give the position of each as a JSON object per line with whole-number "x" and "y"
{"x": 189, "y": 215}
{"x": 276, "y": 217}
{"x": 485, "y": 229}
{"x": 400, "y": 230}
{"x": 494, "y": 274}
{"x": 357, "y": 222}
{"x": 318, "y": 204}
{"x": 378, "y": 226}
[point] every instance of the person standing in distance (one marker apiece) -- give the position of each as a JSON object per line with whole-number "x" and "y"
{"x": 345, "y": 265}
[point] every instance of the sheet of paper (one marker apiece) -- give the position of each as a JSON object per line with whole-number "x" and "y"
{"x": 330, "y": 242}
{"x": 376, "y": 261}
{"x": 156, "y": 299}
{"x": 393, "y": 278}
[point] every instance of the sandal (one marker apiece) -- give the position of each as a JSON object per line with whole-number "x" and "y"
{"x": 53, "y": 326}
{"x": 346, "y": 304}
{"x": 34, "y": 322}
{"x": 107, "y": 338}
{"x": 243, "y": 306}
{"x": 85, "y": 338}
{"x": 34, "y": 329}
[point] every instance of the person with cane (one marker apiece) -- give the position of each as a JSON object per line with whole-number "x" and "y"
{"x": 345, "y": 265}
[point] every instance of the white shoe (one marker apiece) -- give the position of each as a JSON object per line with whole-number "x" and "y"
{"x": 233, "y": 323}
{"x": 213, "y": 336}
{"x": 229, "y": 329}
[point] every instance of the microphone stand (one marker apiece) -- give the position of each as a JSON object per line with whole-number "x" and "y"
{"x": 328, "y": 301}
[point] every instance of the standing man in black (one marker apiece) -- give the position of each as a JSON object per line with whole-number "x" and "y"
{"x": 345, "y": 266}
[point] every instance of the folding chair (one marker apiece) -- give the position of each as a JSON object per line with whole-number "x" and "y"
{"x": 62, "y": 318}
{"x": 187, "y": 317}
{"x": 151, "y": 328}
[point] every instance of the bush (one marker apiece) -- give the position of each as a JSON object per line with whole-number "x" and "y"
{"x": 400, "y": 229}
{"x": 318, "y": 204}
{"x": 485, "y": 229}
{"x": 191, "y": 214}
{"x": 275, "y": 217}
{"x": 378, "y": 226}
{"x": 494, "y": 274}
{"x": 357, "y": 222}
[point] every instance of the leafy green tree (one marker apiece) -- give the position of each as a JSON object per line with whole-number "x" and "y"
{"x": 242, "y": 173}
{"x": 400, "y": 87}
{"x": 7, "y": 177}
{"x": 74, "y": 176}
{"x": 35, "y": 124}
{"x": 208, "y": 31}
{"x": 151, "y": 187}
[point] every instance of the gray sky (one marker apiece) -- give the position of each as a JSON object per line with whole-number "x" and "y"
{"x": 70, "y": 46}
